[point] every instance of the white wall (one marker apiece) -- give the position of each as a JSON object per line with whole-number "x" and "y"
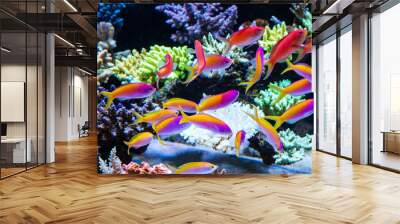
{"x": 71, "y": 102}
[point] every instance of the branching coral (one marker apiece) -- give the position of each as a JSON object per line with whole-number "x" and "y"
{"x": 110, "y": 166}
{"x": 268, "y": 96}
{"x": 194, "y": 20}
{"x": 213, "y": 46}
{"x": 144, "y": 65}
{"x": 111, "y": 12}
{"x": 303, "y": 14}
{"x": 272, "y": 36}
{"x": 234, "y": 116}
{"x": 294, "y": 147}
{"x": 105, "y": 33}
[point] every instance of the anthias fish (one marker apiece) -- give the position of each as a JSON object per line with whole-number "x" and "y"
{"x": 295, "y": 113}
{"x": 301, "y": 69}
{"x": 244, "y": 37}
{"x": 259, "y": 69}
{"x": 298, "y": 88}
{"x": 284, "y": 48}
{"x": 207, "y": 122}
{"x": 129, "y": 91}
{"x": 214, "y": 62}
{"x": 268, "y": 130}
{"x": 154, "y": 116}
{"x": 197, "y": 168}
{"x": 139, "y": 140}
{"x": 169, "y": 126}
{"x": 201, "y": 57}
{"x": 181, "y": 104}
{"x": 239, "y": 139}
{"x": 218, "y": 101}
{"x": 165, "y": 70}
{"x": 305, "y": 50}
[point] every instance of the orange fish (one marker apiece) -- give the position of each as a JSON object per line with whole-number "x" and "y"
{"x": 305, "y": 50}
{"x": 301, "y": 69}
{"x": 129, "y": 91}
{"x": 139, "y": 140}
{"x": 285, "y": 47}
{"x": 268, "y": 130}
{"x": 244, "y": 37}
{"x": 239, "y": 139}
{"x": 298, "y": 88}
{"x": 295, "y": 113}
{"x": 154, "y": 116}
{"x": 259, "y": 69}
{"x": 165, "y": 70}
{"x": 197, "y": 168}
{"x": 218, "y": 101}
{"x": 207, "y": 122}
{"x": 181, "y": 104}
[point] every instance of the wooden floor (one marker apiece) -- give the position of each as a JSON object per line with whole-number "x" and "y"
{"x": 70, "y": 191}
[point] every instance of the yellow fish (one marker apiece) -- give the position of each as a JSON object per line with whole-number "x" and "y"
{"x": 180, "y": 104}
{"x": 197, "y": 168}
{"x": 154, "y": 116}
{"x": 139, "y": 140}
{"x": 260, "y": 61}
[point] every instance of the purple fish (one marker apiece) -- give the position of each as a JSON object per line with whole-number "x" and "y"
{"x": 170, "y": 126}
{"x": 295, "y": 113}
{"x": 207, "y": 122}
{"x": 218, "y": 101}
{"x": 129, "y": 91}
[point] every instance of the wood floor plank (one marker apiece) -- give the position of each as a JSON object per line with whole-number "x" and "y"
{"x": 70, "y": 191}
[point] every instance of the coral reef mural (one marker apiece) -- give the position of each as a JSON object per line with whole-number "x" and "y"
{"x": 217, "y": 89}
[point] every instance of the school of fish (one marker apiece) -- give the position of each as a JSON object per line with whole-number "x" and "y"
{"x": 172, "y": 118}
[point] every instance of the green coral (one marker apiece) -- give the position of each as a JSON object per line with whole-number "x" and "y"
{"x": 303, "y": 14}
{"x": 268, "y": 96}
{"x": 214, "y": 46}
{"x": 272, "y": 36}
{"x": 143, "y": 65}
{"x": 294, "y": 146}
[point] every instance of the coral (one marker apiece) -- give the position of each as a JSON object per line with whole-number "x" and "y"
{"x": 303, "y": 14}
{"x": 268, "y": 96}
{"x": 194, "y": 20}
{"x": 144, "y": 65}
{"x": 214, "y": 46}
{"x": 145, "y": 168}
{"x": 105, "y": 33}
{"x": 111, "y": 12}
{"x": 112, "y": 165}
{"x": 272, "y": 36}
{"x": 114, "y": 124}
{"x": 234, "y": 116}
{"x": 294, "y": 147}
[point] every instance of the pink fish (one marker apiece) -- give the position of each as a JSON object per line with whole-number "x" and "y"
{"x": 298, "y": 88}
{"x": 169, "y": 126}
{"x": 201, "y": 58}
{"x": 268, "y": 130}
{"x": 214, "y": 62}
{"x": 218, "y": 101}
{"x": 207, "y": 122}
{"x": 244, "y": 37}
{"x": 129, "y": 91}
{"x": 259, "y": 70}
{"x": 305, "y": 50}
{"x": 285, "y": 47}
{"x": 301, "y": 69}
{"x": 295, "y": 113}
{"x": 139, "y": 140}
{"x": 180, "y": 104}
{"x": 239, "y": 139}
{"x": 197, "y": 168}
{"x": 166, "y": 70}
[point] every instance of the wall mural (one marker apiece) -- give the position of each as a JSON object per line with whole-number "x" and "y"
{"x": 204, "y": 88}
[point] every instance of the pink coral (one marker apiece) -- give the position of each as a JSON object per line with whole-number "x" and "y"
{"x": 144, "y": 168}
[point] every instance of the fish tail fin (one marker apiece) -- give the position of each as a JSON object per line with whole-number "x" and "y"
{"x": 289, "y": 68}
{"x": 127, "y": 143}
{"x": 160, "y": 140}
{"x": 278, "y": 121}
{"x": 185, "y": 117}
{"x": 110, "y": 98}
{"x": 139, "y": 117}
{"x": 247, "y": 84}
{"x": 192, "y": 75}
{"x": 281, "y": 94}
{"x": 237, "y": 151}
{"x": 300, "y": 55}
{"x": 270, "y": 68}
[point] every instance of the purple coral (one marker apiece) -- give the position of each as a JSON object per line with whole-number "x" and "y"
{"x": 194, "y": 20}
